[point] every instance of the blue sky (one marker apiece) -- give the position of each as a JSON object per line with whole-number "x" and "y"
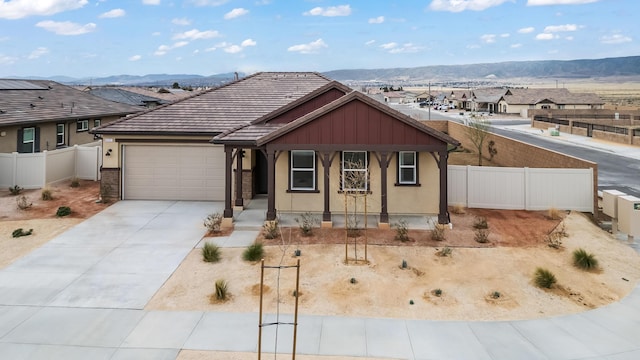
{"x": 83, "y": 38}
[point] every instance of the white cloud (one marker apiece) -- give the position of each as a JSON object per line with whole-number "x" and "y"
{"x": 38, "y": 53}
{"x": 615, "y": 39}
{"x": 233, "y": 49}
{"x": 248, "y": 42}
{"x": 462, "y": 5}
{"x": 151, "y": 2}
{"x": 505, "y": 35}
{"x": 340, "y": 10}
{"x": 135, "y": 58}
{"x": 113, "y": 14}
{"x": 546, "y": 36}
{"x": 389, "y": 46}
{"x": 196, "y": 34}
{"x": 66, "y": 27}
{"x": 17, "y": 9}
{"x": 376, "y": 20}
{"x": 181, "y": 21}
{"x": 370, "y": 42}
{"x": 515, "y": 46}
{"x": 237, "y": 12}
{"x": 163, "y": 49}
{"x": 488, "y": 38}
{"x": 526, "y": 30}
{"x": 558, "y": 2}
{"x": 208, "y": 2}
{"x": 473, "y": 46}
{"x": 310, "y": 48}
{"x": 560, "y": 28}
{"x": 7, "y": 60}
{"x": 395, "y": 48}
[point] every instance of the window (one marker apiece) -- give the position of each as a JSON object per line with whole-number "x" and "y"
{"x": 407, "y": 168}
{"x": 96, "y": 122}
{"x": 355, "y": 167}
{"x": 59, "y": 134}
{"x": 28, "y": 139}
{"x": 303, "y": 170}
{"x": 82, "y": 125}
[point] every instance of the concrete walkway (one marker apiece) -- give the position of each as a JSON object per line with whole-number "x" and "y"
{"x": 81, "y": 296}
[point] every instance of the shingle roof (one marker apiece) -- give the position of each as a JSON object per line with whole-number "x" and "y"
{"x": 124, "y": 97}
{"x": 223, "y": 108}
{"x": 556, "y": 95}
{"x": 488, "y": 95}
{"x": 36, "y": 101}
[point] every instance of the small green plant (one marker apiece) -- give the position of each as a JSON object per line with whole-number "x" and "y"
{"x": 402, "y": 230}
{"x": 584, "y": 260}
{"x": 404, "y": 264}
{"x": 445, "y": 251}
{"x": 63, "y": 211}
{"x": 75, "y": 182}
{"x": 221, "y": 289}
{"x": 437, "y": 231}
{"x": 481, "y": 236}
{"x": 23, "y": 203}
{"x": 353, "y": 280}
{"x": 437, "y": 292}
{"x": 544, "y": 278}
{"x": 213, "y": 222}
{"x": 15, "y": 190}
{"x": 270, "y": 229}
{"x": 480, "y": 223}
{"x": 210, "y": 252}
{"x": 19, "y": 232}
{"x": 307, "y": 222}
{"x": 254, "y": 252}
{"x": 46, "y": 194}
{"x": 495, "y": 295}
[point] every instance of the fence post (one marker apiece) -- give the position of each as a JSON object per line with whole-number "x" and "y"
{"x": 466, "y": 185}
{"x": 44, "y": 168}
{"x": 14, "y": 175}
{"x": 75, "y": 161}
{"x": 527, "y": 188}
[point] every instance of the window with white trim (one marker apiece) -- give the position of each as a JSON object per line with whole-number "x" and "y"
{"x": 82, "y": 125}
{"x": 28, "y": 138}
{"x": 59, "y": 134}
{"x": 303, "y": 170}
{"x": 355, "y": 171}
{"x": 97, "y": 122}
{"x": 407, "y": 168}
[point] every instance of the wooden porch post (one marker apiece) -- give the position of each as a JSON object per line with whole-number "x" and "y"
{"x": 384, "y": 164}
{"x": 228, "y": 163}
{"x": 239, "y": 154}
{"x": 271, "y": 184}
{"x": 443, "y": 216}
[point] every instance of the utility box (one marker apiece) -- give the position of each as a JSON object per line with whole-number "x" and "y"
{"x": 610, "y": 202}
{"x": 629, "y": 215}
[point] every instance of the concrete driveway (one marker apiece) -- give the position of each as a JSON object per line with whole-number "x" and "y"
{"x": 81, "y": 296}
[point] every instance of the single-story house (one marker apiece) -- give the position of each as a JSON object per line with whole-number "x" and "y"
{"x": 295, "y": 137}
{"x": 123, "y": 96}
{"x": 37, "y": 115}
{"x": 394, "y": 97}
{"x": 519, "y": 101}
{"x": 461, "y": 99}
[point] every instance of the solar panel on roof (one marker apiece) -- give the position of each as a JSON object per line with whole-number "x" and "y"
{"x": 19, "y": 85}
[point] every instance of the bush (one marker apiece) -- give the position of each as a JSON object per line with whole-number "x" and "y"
{"x": 213, "y": 222}
{"x": 46, "y": 194}
{"x": 306, "y": 222}
{"x": 63, "y": 211}
{"x": 15, "y": 190}
{"x": 270, "y": 229}
{"x": 210, "y": 252}
{"x": 19, "y": 232}
{"x": 554, "y": 214}
{"x": 445, "y": 251}
{"x": 221, "y": 289}
{"x": 254, "y": 252}
{"x": 438, "y": 231}
{"x": 23, "y": 203}
{"x": 75, "y": 182}
{"x": 458, "y": 209}
{"x": 480, "y": 223}
{"x": 495, "y": 295}
{"x": 481, "y": 236}
{"x": 402, "y": 230}
{"x": 544, "y": 278}
{"x": 584, "y": 260}
{"x": 437, "y": 292}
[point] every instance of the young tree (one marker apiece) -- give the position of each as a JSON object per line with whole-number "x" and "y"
{"x": 477, "y": 131}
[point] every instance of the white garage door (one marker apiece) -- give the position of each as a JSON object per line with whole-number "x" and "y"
{"x": 173, "y": 172}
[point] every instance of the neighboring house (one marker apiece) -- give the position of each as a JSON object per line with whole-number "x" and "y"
{"x": 486, "y": 99}
{"x": 394, "y": 97}
{"x": 126, "y": 97}
{"x": 460, "y": 99}
{"x": 519, "y": 101}
{"x": 37, "y": 115}
{"x": 295, "y": 137}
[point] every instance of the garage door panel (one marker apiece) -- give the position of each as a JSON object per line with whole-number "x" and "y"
{"x": 166, "y": 172}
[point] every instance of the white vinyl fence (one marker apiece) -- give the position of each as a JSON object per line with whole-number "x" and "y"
{"x": 521, "y": 188}
{"x": 34, "y": 171}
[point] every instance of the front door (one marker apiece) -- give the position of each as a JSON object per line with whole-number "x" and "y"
{"x": 260, "y": 173}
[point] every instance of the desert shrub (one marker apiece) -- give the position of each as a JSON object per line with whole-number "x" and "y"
{"x": 554, "y": 240}
{"x": 437, "y": 292}
{"x": 210, "y": 252}
{"x": 438, "y": 231}
{"x": 63, "y": 211}
{"x": 19, "y": 232}
{"x": 480, "y": 223}
{"x": 221, "y": 289}
{"x": 584, "y": 260}
{"x": 23, "y": 203}
{"x": 254, "y": 252}
{"x": 445, "y": 251}
{"x": 544, "y": 278}
{"x": 353, "y": 280}
{"x": 402, "y": 230}
{"x": 15, "y": 190}
{"x": 46, "y": 194}
{"x": 307, "y": 222}
{"x": 481, "y": 235}
{"x": 75, "y": 182}
{"x": 458, "y": 209}
{"x": 213, "y": 222}
{"x": 404, "y": 264}
{"x": 554, "y": 214}
{"x": 495, "y": 295}
{"x": 270, "y": 229}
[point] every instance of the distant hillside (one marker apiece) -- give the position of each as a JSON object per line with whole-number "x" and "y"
{"x": 622, "y": 66}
